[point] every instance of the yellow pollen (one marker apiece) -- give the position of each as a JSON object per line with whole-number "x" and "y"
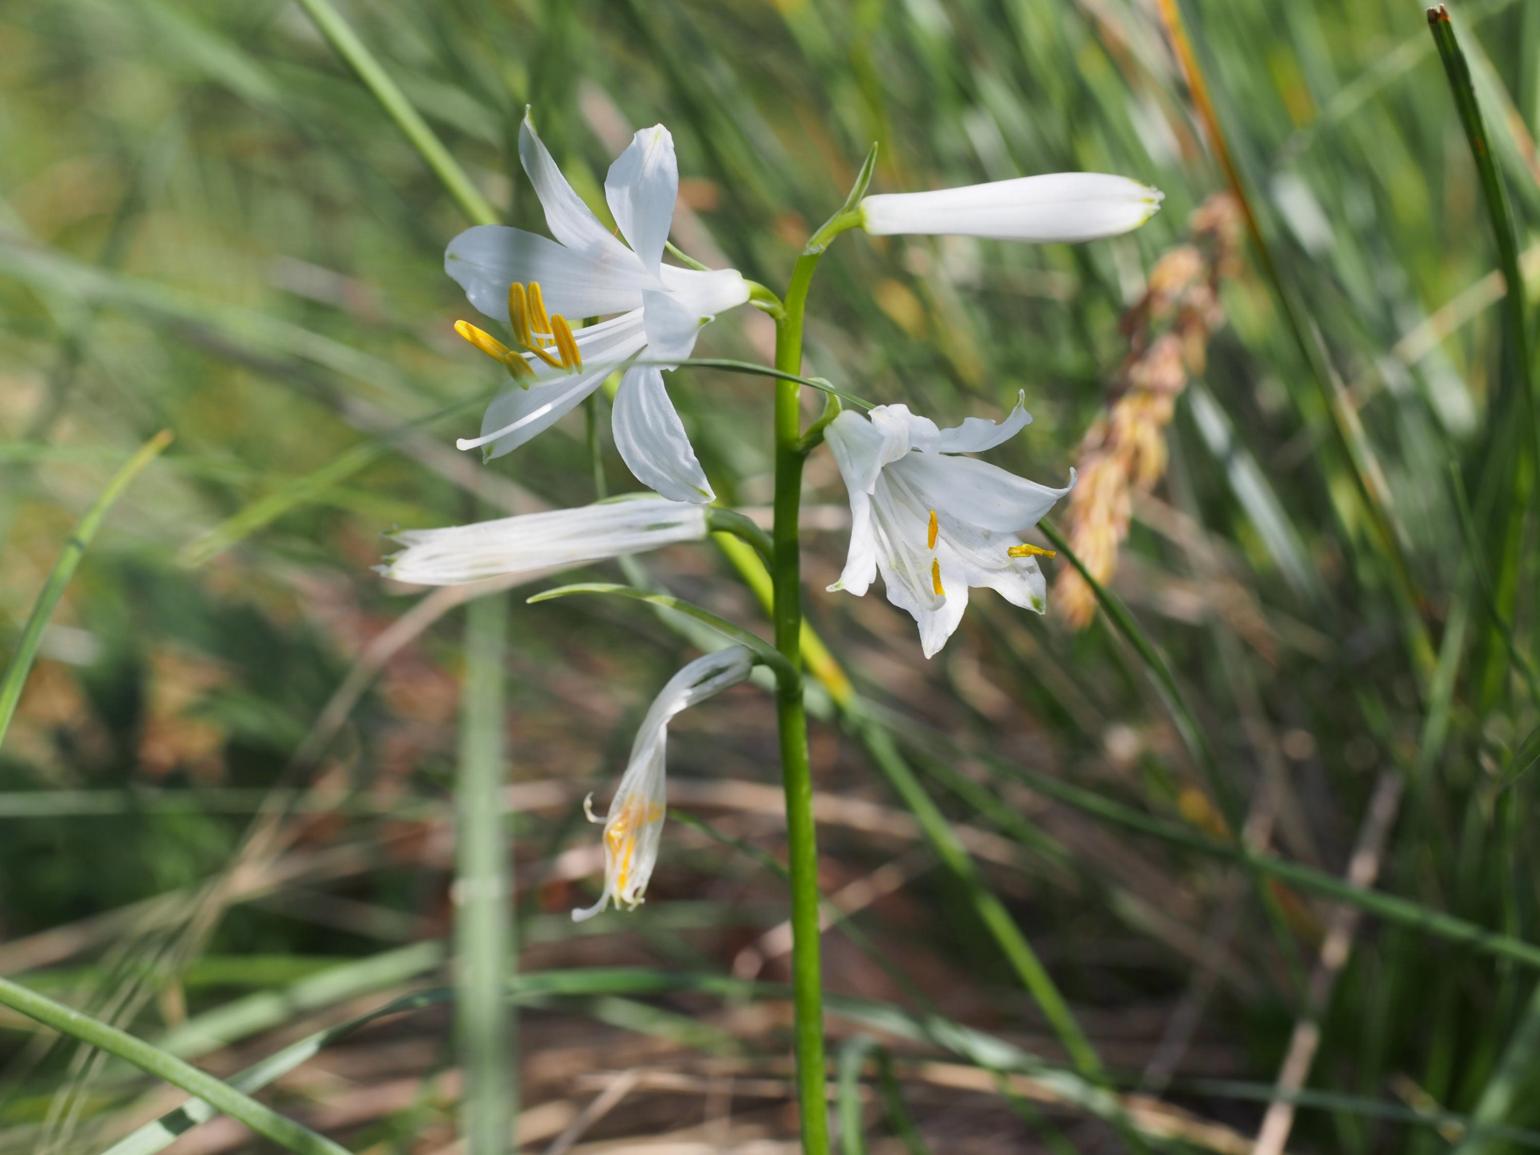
{"x": 566, "y": 343}
{"x": 539, "y": 319}
{"x": 935, "y": 578}
{"x": 932, "y": 530}
{"x": 1028, "y": 550}
{"x": 518, "y": 313}
{"x": 493, "y": 348}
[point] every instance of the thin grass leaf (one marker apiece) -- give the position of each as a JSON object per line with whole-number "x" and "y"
{"x": 42, "y": 610}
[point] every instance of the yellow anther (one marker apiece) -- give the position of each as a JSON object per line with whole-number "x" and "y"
{"x": 540, "y": 321}
{"x": 518, "y": 313}
{"x": 931, "y": 531}
{"x": 566, "y": 343}
{"x": 516, "y": 365}
{"x": 1027, "y": 550}
{"x": 935, "y": 578}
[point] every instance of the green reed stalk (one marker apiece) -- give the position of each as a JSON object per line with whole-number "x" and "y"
{"x": 791, "y": 716}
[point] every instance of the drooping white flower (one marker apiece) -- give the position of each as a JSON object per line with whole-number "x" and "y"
{"x": 935, "y": 524}
{"x": 538, "y": 285}
{"x": 633, "y": 828}
{"x": 1061, "y": 206}
{"x": 535, "y": 543}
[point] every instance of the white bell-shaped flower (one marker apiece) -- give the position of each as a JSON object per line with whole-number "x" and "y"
{"x": 1061, "y": 206}
{"x": 536, "y": 543}
{"x": 536, "y": 284}
{"x": 934, "y": 524}
{"x": 633, "y": 829}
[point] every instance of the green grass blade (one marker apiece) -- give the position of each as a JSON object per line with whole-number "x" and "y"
{"x": 64, "y": 569}
{"x": 339, "y": 33}
{"x": 285, "y": 1132}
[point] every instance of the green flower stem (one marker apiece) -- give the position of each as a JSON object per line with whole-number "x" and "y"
{"x": 285, "y": 1132}
{"x": 801, "y": 839}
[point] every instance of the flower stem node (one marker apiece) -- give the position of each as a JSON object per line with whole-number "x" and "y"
{"x": 633, "y": 829}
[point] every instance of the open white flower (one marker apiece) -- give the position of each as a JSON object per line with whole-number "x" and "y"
{"x": 634, "y": 826}
{"x": 537, "y": 543}
{"x": 537, "y": 284}
{"x": 1061, "y": 206}
{"x": 935, "y": 524}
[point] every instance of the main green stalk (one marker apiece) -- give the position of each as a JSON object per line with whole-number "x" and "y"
{"x": 801, "y": 838}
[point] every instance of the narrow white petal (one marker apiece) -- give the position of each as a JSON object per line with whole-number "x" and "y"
{"x": 706, "y": 292}
{"x": 577, "y": 283}
{"x": 1068, "y": 206}
{"x": 965, "y": 491}
{"x": 539, "y": 543}
{"x": 519, "y": 414}
{"x": 861, "y": 558}
{"x": 652, "y": 441}
{"x": 862, "y": 448}
{"x": 641, "y": 188}
{"x": 570, "y": 220}
{"x": 939, "y": 624}
{"x": 977, "y": 434}
{"x": 671, "y": 326}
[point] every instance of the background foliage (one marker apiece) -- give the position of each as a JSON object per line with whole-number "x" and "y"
{"x": 227, "y": 796}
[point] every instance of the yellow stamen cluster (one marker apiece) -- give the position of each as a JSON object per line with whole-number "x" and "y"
{"x": 545, "y": 336}
{"x": 1124, "y": 451}
{"x": 620, "y": 834}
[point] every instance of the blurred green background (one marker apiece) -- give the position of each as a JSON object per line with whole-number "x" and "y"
{"x": 232, "y": 772}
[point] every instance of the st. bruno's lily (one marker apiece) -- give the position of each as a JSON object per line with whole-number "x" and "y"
{"x": 1061, "y": 206}
{"x": 634, "y": 827}
{"x": 654, "y": 310}
{"x": 935, "y": 524}
{"x": 539, "y": 543}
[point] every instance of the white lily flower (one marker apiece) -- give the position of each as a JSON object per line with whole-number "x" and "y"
{"x": 535, "y": 543}
{"x": 634, "y": 827}
{"x": 935, "y": 524}
{"x": 537, "y": 284}
{"x": 1061, "y": 206}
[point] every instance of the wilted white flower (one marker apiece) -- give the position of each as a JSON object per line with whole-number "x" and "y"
{"x": 540, "y": 542}
{"x": 633, "y": 828}
{"x": 934, "y": 524}
{"x": 536, "y": 284}
{"x": 1061, "y": 206}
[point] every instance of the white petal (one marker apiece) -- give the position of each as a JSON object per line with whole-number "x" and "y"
{"x": 939, "y": 624}
{"x": 1066, "y": 206}
{"x": 652, "y": 440}
{"x": 903, "y": 431}
{"x": 672, "y": 328}
{"x": 969, "y": 492}
{"x": 570, "y": 220}
{"x": 861, "y": 557}
{"x": 641, "y": 188}
{"x": 706, "y": 292}
{"x": 863, "y": 446}
{"x": 541, "y": 542}
{"x": 577, "y": 283}
{"x": 977, "y": 434}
